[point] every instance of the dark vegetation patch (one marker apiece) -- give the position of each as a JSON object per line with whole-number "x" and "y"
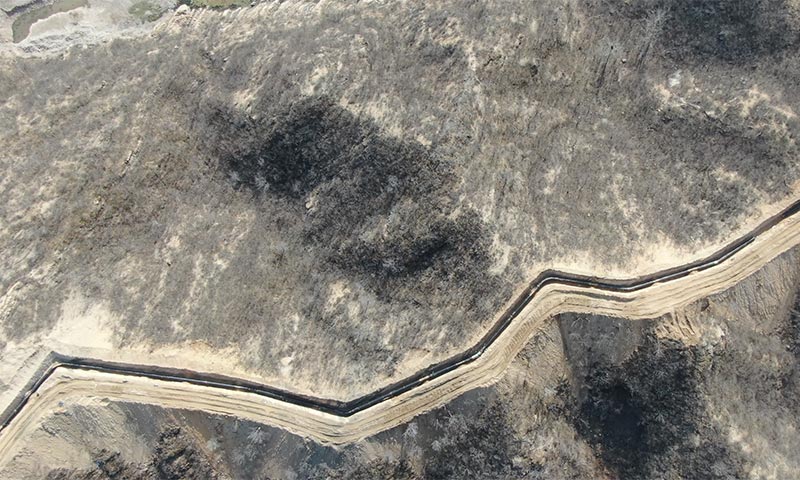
{"x": 234, "y": 447}
{"x": 314, "y": 142}
{"x": 787, "y": 380}
{"x": 427, "y": 249}
{"x": 175, "y": 457}
{"x": 479, "y": 446}
{"x": 791, "y": 334}
{"x": 730, "y": 30}
{"x": 733, "y": 31}
{"x": 379, "y": 207}
{"x": 701, "y": 142}
{"x": 108, "y": 465}
{"x": 690, "y": 145}
{"x": 632, "y": 417}
{"x": 383, "y": 469}
{"x": 646, "y": 416}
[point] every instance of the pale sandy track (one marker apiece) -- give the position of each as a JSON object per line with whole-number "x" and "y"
{"x": 67, "y": 383}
